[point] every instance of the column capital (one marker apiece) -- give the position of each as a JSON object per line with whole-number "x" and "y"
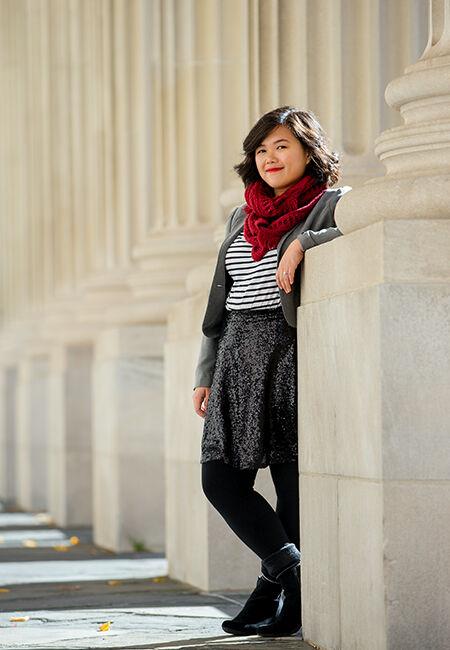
{"x": 416, "y": 154}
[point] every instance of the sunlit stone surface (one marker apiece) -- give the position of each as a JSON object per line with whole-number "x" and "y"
{"x": 132, "y": 626}
{"x": 12, "y": 573}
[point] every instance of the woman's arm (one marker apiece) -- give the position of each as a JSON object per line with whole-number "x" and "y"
{"x": 206, "y": 360}
{"x": 311, "y": 238}
{"x": 208, "y": 345}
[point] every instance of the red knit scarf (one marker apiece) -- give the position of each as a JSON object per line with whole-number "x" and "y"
{"x": 269, "y": 217}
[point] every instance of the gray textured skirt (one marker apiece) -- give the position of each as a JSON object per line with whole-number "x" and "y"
{"x": 251, "y": 417}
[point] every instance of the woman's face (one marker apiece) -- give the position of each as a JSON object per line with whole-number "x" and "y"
{"x": 282, "y": 151}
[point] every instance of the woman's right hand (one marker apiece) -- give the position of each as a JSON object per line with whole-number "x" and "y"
{"x": 200, "y": 398}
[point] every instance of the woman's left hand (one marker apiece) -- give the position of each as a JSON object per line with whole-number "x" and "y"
{"x": 292, "y": 257}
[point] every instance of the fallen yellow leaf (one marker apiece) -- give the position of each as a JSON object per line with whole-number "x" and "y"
{"x": 74, "y": 539}
{"x": 60, "y": 547}
{"x": 4, "y": 590}
{"x": 30, "y": 543}
{"x": 113, "y": 583}
{"x": 17, "y": 619}
{"x": 104, "y": 627}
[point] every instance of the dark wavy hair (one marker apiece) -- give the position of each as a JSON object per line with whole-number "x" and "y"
{"x": 323, "y": 164}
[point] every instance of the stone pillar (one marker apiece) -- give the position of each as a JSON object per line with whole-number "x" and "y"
{"x": 70, "y": 460}
{"x": 128, "y": 462}
{"x": 8, "y": 384}
{"x": 374, "y": 368}
{"x": 3, "y": 434}
{"x": 32, "y": 432}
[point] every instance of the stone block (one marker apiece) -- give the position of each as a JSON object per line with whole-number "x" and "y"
{"x": 320, "y": 560}
{"x": 128, "y": 440}
{"x": 361, "y": 569}
{"x": 70, "y": 435}
{"x": 416, "y": 532}
{"x": 340, "y": 420}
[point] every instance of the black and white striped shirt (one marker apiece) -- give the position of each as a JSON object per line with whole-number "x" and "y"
{"x": 254, "y": 285}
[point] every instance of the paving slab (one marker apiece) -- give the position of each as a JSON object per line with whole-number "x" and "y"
{"x": 128, "y": 626}
{"x": 13, "y": 573}
{"x": 27, "y": 519}
{"x": 19, "y": 538}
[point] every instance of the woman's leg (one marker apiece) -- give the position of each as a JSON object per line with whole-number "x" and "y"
{"x": 248, "y": 514}
{"x": 285, "y": 478}
{"x": 284, "y": 563}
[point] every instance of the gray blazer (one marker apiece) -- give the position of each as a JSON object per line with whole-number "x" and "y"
{"x": 317, "y": 228}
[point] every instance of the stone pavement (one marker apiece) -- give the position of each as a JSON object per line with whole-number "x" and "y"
{"x": 66, "y": 588}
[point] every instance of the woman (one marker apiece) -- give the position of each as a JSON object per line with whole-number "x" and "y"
{"x": 246, "y": 376}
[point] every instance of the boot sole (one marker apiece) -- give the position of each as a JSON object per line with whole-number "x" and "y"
{"x": 275, "y": 634}
{"x": 235, "y": 632}
{"x": 245, "y": 632}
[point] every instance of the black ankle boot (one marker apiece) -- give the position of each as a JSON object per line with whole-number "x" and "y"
{"x": 261, "y": 606}
{"x": 288, "y": 618}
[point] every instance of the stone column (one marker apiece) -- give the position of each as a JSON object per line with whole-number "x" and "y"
{"x": 70, "y": 446}
{"x": 374, "y": 362}
{"x": 8, "y": 385}
{"x": 32, "y": 432}
{"x": 3, "y": 433}
{"x": 127, "y": 438}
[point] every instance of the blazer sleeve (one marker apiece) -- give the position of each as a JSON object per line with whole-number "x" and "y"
{"x": 311, "y": 238}
{"x": 208, "y": 346}
{"x": 206, "y": 361}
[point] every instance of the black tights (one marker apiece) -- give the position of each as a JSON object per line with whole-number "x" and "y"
{"x": 263, "y": 529}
